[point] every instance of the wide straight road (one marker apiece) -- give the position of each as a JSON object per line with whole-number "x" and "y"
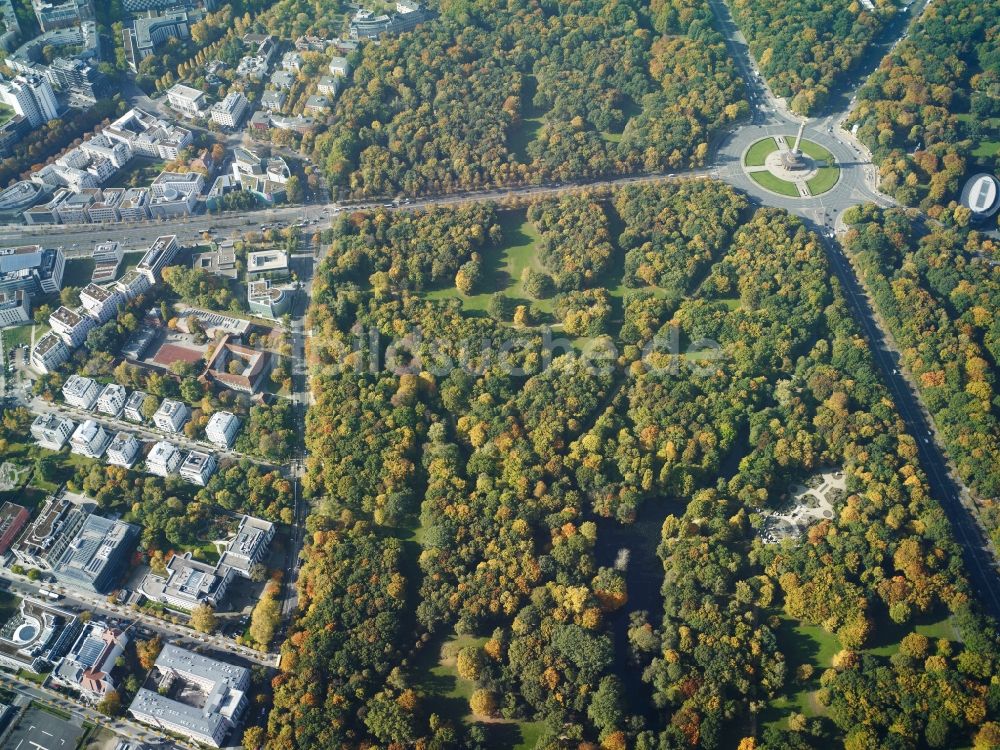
{"x": 980, "y": 562}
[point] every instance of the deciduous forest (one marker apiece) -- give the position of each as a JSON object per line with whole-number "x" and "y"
{"x": 464, "y": 494}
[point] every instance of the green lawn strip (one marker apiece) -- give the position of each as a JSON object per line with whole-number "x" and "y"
{"x": 757, "y": 154}
{"x": 813, "y": 150}
{"x": 775, "y": 184}
{"x": 824, "y": 180}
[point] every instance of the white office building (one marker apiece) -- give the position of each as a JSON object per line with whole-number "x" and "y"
{"x": 229, "y": 113}
{"x": 89, "y": 439}
{"x": 187, "y": 100}
{"x": 214, "y": 692}
{"x": 171, "y": 415}
{"x": 81, "y": 392}
{"x": 159, "y": 255}
{"x": 222, "y": 429}
{"x": 163, "y": 460}
{"x": 112, "y": 399}
{"x": 51, "y": 431}
{"x": 32, "y": 97}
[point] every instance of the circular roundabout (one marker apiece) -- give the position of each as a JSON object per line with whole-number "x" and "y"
{"x": 776, "y": 165}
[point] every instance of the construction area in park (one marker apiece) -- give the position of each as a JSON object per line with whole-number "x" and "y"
{"x": 809, "y": 503}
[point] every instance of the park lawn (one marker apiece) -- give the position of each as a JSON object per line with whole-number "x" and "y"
{"x": 813, "y": 150}
{"x": 78, "y": 272}
{"x": 21, "y": 335}
{"x": 503, "y": 267}
{"x": 801, "y": 644}
{"x": 757, "y": 153}
{"x": 436, "y": 678}
{"x": 775, "y": 184}
{"x": 824, "y": 180}
{"x": 139, "y": 173}
{"x": 986, "y": 149}
{"x": 532, "y": 120}
{"x": 6, "y": 113}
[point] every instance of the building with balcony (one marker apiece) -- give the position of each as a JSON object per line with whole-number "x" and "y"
{"x": 222, "y": 429}
{"x": 198, "y": 467}
{"x": 89, "y": 439}
{"x": 48, "y": 353}
{"x": 52, "y": 431}
{"x": 123, "y": 450}
{"x": 171, "y": 415}
{"x": 72, "y": 326}
{"x": 81, "y": 392}
{"x": 112, "y": 399}
{"x": 163, "y": 459}
{"x": 100, "y": 303}
{"x": 158, "y": 257}
{"x": 134, "y": 406}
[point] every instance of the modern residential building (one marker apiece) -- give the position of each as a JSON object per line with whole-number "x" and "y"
{"x": 32, "y": 97}
{"x": 222, "y": 428}
{"x": 198, "y": 467}
{"x": 187, "y": 100}
{"x": 134, "y": 205}
{"x": 71, "y": 325}
{"x": 104, "y": 209}
{"x": 134, "y": 406}
{"x": 107, "y": 258}
{"x": 89, "y": 439}
{"x": 148, "y": 135}
{"x": 53, "y": 530}
{"x": 292, "y": 61}
{"x": 274, "y": 100}
{"x": 328, "y": 86}
{"x": 316, "y": 105}
{"x": 267, "y": 301}
{"x": 163, "y": 459}
{"x": 13, "y": 518}
{"x": 88, "y": 663}
{"x": 118, "y": 152}
{"x": 81, "y": 81}
{"x": 112, "y": 399}
{"x": 159, "y": 256}
{"x": 282, "y": 79}
{"x": 123, "y": 450}
{"x": 339, "y": 66}
{"x": 144, "y": 35}
{"x": 199, "y": 698}
{"x": 81, "y": 392}
{"x": 32, "y": 268}
{"x": 49, "y": 352}
{"x": 171, "y": 415}
{"x": 15, "y": 308}
{"x": 97, "y": 556}
{"x": 229, "y": 113}
{"x": 267, "y": 177}
{"x": 52, "y": 431}
{"x": 133, "y": 284}
{"x": 100, "y": 303}
{"x": 237, "y": 367}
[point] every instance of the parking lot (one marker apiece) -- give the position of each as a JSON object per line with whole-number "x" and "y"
{"x": 42, "y": 730}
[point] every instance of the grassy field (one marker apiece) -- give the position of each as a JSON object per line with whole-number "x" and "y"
{"x": 436, "y": 678}
{"x": 503, "y": 267}
{"x": 757, "y": 153}
{"x": 139, "y": 172}
{"x": 6, "y": 112}
{"x": 775, "y": 184}
{"x": 20, "y": 335}
{"x": 824, "y": 180}
{"x": 531, "y": 121}
{"x": 813, "y": 150}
